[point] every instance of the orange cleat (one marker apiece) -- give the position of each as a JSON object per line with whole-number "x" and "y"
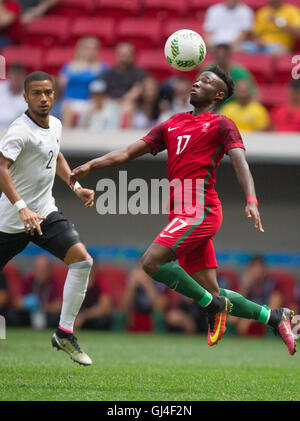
{"x": 218, "y": 322}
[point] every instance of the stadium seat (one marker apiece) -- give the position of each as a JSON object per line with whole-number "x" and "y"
{"x": 286, "y": 284}
{"x": 174, "y": 24}
{"x": 47, "y": 31}
{"x": 260, "y": 65}
{"x": 55, "y": 59}
{"x": 117, "y": 9}
{"x": 228, "y": 279}
{"x": 255, "y": 4}
{"x": 116, "y": 276}
{"x": 284, "y": 67}
{"x": 164, "y": 10}
{"x": 59, "y": 274}
{"x": 73, "y": 8}
{"x": 107, "y": 55}
{"x": 273, "y": 95}
{"x": 197, "y": 8}
{"x": 155, "y": 63}
{"x": 14, "y": 283}
{"x": 28, "y": 56}
{"x": 143, "y": 33}
{"x": 104, "y": 29}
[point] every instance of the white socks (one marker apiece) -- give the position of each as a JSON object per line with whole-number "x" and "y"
{"x": 74, "y": 293}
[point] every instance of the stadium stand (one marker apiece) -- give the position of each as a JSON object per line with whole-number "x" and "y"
{"x": 103, "y": 29}
{"x": 47, "y": 32}
{"x": 164, "y": 10}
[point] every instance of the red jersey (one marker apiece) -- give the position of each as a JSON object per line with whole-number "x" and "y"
{"x": 195, "y": 148}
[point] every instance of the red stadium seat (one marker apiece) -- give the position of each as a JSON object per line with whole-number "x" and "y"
{"x": 29, "y": 56}
{"x": 47, "y": 31}
{"x": 197, "y": 8}
{"x": 73, "y": 8}
{"x": 164, "y": 10}
{"x": 155, "y": 63}
{"x": 116, "y": 276}
{"x": 255, "y": 4}
{"x": 14, "y": 284}
{"x": 285, "y": 284}
{"x": 273, "y": 95}
{"x": 284, "y": 67}
{"x": 107, "y": 55}
{"x": 104, "y": 29}
{"x": 59, "y": 274}
{"x": 174, "y": 24}
{"x": 116, "y": 8}
{"x": 143, "y": 33}
{"x": 56, "y": 58}
{"x": 261, "y": 65}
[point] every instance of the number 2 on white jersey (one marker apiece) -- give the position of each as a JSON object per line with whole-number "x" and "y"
{"x": 179, "y": 138}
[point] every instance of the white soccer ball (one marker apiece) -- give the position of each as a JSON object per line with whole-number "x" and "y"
{"x": 185, "y": 50}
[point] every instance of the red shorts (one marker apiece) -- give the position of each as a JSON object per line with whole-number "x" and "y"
{"x": 192, "y": 241}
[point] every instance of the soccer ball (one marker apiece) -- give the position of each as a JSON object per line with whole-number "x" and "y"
{"x": 185, "y": 50}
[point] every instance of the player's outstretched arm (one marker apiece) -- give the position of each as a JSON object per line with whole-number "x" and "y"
{"x": 64, "y": 172}
{"x": 112, "y": 159}
{"x": 241, "y": 167}
{"x": 30, "y": 219}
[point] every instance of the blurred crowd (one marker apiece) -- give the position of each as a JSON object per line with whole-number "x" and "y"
{"x": 92, "y": 95}
{"x": 119, "y": 300}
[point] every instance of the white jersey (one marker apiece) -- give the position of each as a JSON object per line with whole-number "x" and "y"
{"x": 34, "y": 151}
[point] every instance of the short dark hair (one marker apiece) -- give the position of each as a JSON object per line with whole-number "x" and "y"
{"x": 37, "y": 77}
{"x": 227, "y": 79}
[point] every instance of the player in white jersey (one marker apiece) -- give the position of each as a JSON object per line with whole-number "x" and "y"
{"x": 29, "y": 160}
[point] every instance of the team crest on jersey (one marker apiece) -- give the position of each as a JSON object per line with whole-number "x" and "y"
{"x": 205, "y": 127}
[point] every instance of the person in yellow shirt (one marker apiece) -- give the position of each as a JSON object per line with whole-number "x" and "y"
{"x": 276, "y": 29}
{"x": 246, "y": 113}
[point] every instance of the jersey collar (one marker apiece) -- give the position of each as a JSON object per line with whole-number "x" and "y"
{"x": 29, "y": 116}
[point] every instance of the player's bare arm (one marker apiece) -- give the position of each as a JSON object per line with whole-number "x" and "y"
{"x": 64, "y": 172}
{"x": 30, "y": 219}
{"x": 112, "y": 159}
{"x": 241, "y": 167}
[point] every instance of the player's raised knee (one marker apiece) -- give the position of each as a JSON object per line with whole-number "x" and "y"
{"x": 149, "y": 264}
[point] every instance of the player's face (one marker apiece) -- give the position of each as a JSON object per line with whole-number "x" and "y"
{"x": 205, "y": 89}
{"x": 40, "y": 97}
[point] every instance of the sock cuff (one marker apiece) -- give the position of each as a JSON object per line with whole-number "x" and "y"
{"x": 264, "y": 314}
{"x": 80, "y": 265}
{"x": 206, "y": 299}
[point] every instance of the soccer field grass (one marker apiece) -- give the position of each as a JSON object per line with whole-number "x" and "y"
{"x": 147, "y": 367}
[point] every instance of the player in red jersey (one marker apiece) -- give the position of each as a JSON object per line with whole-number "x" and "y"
{"x": 196, "y": 142}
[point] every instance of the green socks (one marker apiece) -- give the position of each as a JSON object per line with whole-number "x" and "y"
{"x": 245, "y": 308}
{"x": 177, "y": 279}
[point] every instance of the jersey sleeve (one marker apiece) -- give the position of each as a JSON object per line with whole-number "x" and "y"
{"x": 155, "y": 139}
{"x": 229, "y": 134}
{"x": 12, "y": 144}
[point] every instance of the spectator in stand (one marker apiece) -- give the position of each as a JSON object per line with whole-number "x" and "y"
{"x": 144, "y": 303}
{"x": 248, "y": 114}
{"x": 228, "y": 22}
{"x": 41, "y": 296}
{"x": 96, "y": 309}
{"x": 180, "y": 101}
{"x": 4, "y": 299}
{"x": 222, "y": 56}
{"x": 188, "y": 318}
{"x": 32, "y": 9}
{"x": 9, "y": 21}
{"x": 103, "y": 113}
{"x": 145, "y": 110}
{"x": 276, "y": 29}
{"x": 257, "y": 286}
{"x": 286, "y": 118}
{"x": 12, "y": 102}
{"x": 76, "y": 76}
{"x": 124, "y": 80}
